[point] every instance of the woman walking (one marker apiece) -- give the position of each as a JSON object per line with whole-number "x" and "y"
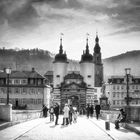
{"x": 66, "y": 115}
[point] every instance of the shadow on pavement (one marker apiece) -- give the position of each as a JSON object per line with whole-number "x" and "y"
{"x": 124, "y": 130}
{"x": 64, "y": 126}
{"x": 53, "y": 126}
{"x": 48, "y": 122}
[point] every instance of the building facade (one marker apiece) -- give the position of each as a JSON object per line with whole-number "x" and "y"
{"x": 27, "y": 89}
{"x": 116, "y": 91}
{"x": 78, "y": 88}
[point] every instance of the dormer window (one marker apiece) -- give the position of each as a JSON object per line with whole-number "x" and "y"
{"x": 31, "y": 81}
{"x": 39, "y": 81}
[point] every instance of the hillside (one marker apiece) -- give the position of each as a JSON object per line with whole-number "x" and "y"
{"x": 116, "y": 65}
{"x": 42, "y": 60}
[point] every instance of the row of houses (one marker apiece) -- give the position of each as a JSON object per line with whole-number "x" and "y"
{"x": 116, "y": 90}
{"x": 27, "y": 89}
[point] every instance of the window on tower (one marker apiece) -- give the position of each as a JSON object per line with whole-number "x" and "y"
{"x": 89, "y": 76}
{"x": 58, "y": 76}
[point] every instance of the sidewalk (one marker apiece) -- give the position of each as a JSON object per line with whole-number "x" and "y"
{"x": 134, "y": 127}
{"x": 84, "y": 128}
{"x": 4, "y": 125}
{"x": 15, "y": 131}
{"x": 115, "y": 133}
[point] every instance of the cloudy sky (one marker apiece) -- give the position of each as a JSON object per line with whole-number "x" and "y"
{"x": 38, "y": 24}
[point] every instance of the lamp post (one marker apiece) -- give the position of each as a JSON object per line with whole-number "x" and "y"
{"x": 8, "y": 72}
{"x": 127, "y": 72}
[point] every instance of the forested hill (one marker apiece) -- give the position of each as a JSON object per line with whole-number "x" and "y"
{"x": 25, "y": 59}
{"x": 42, "y": 60}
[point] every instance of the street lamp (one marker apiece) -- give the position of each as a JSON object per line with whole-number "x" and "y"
{"x": 127, "y": 72}
{"x": 8, "y": 72}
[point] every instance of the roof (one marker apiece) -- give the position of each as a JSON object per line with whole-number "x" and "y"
{"x": 22, "y": 74}
{"x": 73, "y": 75}
{"x": 49, "y": 73}
{"x": 33, "y": 74}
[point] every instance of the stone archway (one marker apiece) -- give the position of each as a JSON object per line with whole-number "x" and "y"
{"x": 74, "y": 101}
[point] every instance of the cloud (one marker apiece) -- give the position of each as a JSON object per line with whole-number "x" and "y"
{"x": 29, "y": 14}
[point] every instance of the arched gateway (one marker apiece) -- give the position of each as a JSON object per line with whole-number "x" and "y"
{"x": 73, "y": 90}
{"x": 77, "y": 87}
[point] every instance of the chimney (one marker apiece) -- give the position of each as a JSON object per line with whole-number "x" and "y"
{"x": 33, "y": 69}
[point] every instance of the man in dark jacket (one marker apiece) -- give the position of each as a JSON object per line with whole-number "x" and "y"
{"x": 56, "y": 112}
{"x": 88, "y": 110}
{"x": 91, "y": 110}
{"x": 97, "y": 109}
{"x": 121, "y": 118}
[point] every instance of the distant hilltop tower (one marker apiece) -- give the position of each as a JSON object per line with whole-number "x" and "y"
{"x": 97, "y": 58}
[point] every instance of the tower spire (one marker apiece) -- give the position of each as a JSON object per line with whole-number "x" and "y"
{"x": 61, "y": 47}
{"x": 97, "y": 39}
{"x": 87, "y": 47}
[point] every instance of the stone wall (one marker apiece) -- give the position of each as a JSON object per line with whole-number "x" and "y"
{"x": 109, "y": 115}
{"x": 24, "y": 115}
{"x": 6, "y": 112}
{"x": 133, "y": 113}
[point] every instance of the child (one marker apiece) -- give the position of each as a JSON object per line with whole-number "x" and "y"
{"x": 51, "y": 113}
{"x": 75, "y": 114}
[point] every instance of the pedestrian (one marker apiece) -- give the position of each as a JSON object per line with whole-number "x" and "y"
{"x": 70, "y": 113}
{"x": 56, "y": 112}
{"x": 51, "y": 114}
{"x": 75, "y": 115}
{"x": 91, "y": 110}
{"x": 97, "y": 109}
{"x": 121, "y": 118}
{"x": 88, "y": 110}
{"x": 66, "y": 115}
{"x": 45, "y": 111}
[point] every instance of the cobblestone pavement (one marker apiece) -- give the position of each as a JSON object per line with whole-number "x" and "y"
{"x": 84, "y": 129}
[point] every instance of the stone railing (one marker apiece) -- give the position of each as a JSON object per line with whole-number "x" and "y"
{"x": 6, "y": 112}
{"x": 24, "y": 115}
{"x": 132, "y": 114}
{"x": 109, "y": 115}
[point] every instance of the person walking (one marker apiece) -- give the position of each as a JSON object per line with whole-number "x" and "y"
{"x": 91, "y": 110}
{"x": 66, "y": 115}
{"x": 97, "y": 109}
{"x": 88, "y": 110}
{"x": 56, "y": 112}
{"x": 45, "y": 111}
{"x": 121, "y": 118}
{"x": 51, "y": 114}
{"x": 75, "y": 115}
{"x": 70, "y": 113}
